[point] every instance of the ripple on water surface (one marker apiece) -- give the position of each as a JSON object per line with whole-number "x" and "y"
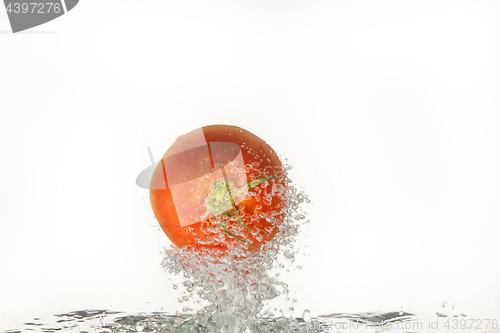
{"x": 103, "y": 321}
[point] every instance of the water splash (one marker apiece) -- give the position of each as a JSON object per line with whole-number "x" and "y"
{"x": 236, "y": 283}
{"x": 105, "y": 321}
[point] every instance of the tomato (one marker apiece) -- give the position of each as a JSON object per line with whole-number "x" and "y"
{"x": 219, "y": 187}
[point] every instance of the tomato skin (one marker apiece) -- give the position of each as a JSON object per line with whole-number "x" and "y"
{"x": 187, "y": 162}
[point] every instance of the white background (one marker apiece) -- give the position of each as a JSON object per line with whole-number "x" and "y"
{"x": 388, "y": 112}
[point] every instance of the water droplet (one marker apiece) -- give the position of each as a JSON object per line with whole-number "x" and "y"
{"x": 306, "y": 315}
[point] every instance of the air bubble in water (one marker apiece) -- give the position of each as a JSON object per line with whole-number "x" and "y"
{"x": 306, "y": 315}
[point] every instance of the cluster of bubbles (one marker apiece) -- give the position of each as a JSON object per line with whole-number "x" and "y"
{"x": 235, "y": 284}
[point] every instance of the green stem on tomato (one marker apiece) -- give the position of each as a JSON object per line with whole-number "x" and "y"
{"x": 233, "y": 209}
{"x": 236, "y": 216}
{"x": 256, "y": 182}
{"x": 240, "y": 221}
{"x": 218, "y": 202}
{"x": 230, "y": 233}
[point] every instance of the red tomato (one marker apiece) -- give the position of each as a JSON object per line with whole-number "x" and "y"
{"x": 218, "y": 187}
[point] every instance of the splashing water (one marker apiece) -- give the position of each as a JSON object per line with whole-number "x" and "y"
{"x": 236, "y": 283}
{"x": 105, "y": 321}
